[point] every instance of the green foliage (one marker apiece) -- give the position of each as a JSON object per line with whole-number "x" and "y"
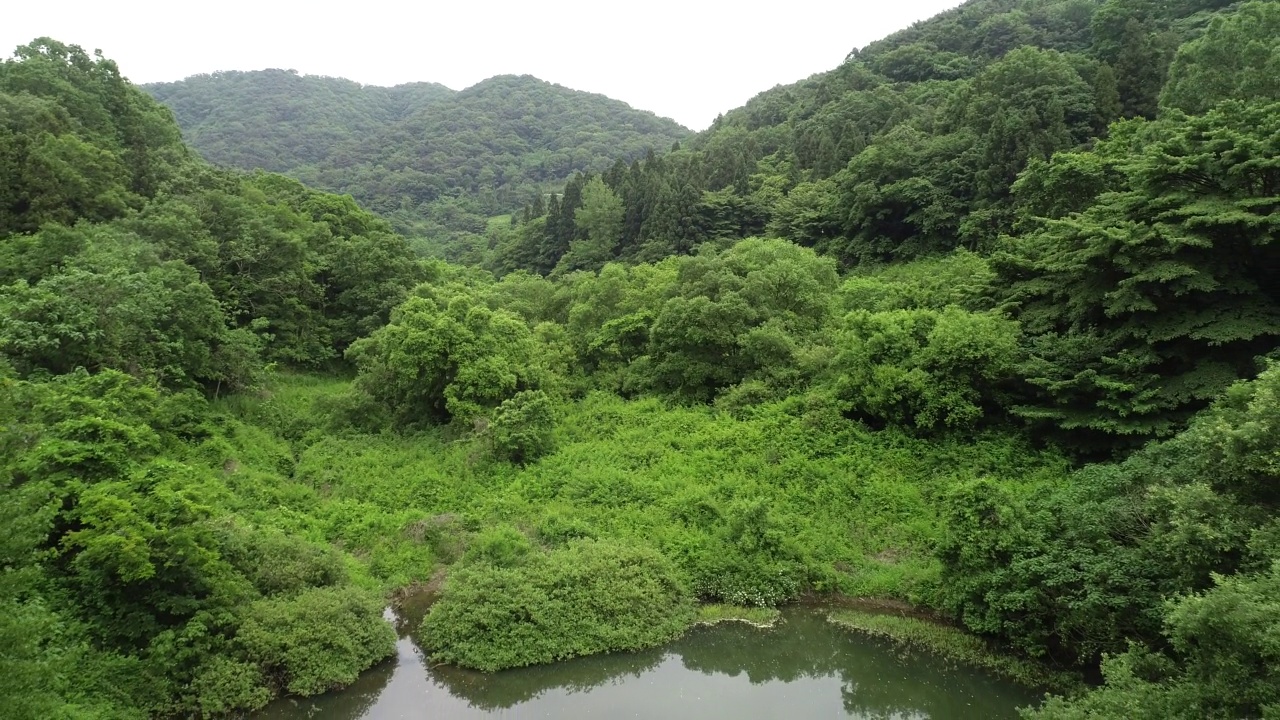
{"x": 26, "y": 623}
{"x": 588, "y": 597}
{"x": 521, "y": 427}
{"x": 317, "y": 640}
{"x": 1236, "y": 440}
{"x": 600, "y": 220}
{"x": 435, "y": 161}
{"x": 1087, "y": 568}
{"x": 280, "y": 564}
{"x": 1148, "y": 303}
{"x": 910, "y": 147}
{"x": 925, "y": 368}
{"x": 735, "y": 315}
{"x": 224, "y": 686}
{"x": 962, "y": 279}
{"x": 747, "y": 560}
{"x": 903, "y": 196}
{"x": 1237, "y": 58}
{"x": 116, "y": 567}
{"x": 127, "y": 253}
{"x": 502, "y": 546}
{"x": 1025, "y": 106}
{"x": 77, "y": 141}
{"x": 285, "y": 120}
{"x": 668, "y": 415}
{"x": 1225, "y": 638}
{"x": 444, "y": 356}
{"x": 118, "y": 306}
{"x": 1132, "y": 37}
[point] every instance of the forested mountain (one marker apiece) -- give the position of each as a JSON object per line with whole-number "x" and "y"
{"x": 984, "y": 320}
{"x": 912, "y": 145}
{"x": 412, "y": 152}
{"x": 278, "y": 120}
{"x": 1024, "y": 130}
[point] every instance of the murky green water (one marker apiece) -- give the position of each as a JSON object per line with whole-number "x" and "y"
{"x": 803, "y": 668}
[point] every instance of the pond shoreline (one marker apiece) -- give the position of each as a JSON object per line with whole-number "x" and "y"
{"x": 944, "y": 640}
{"x": 801, "y": 665}
{"x": 904, "y": 625}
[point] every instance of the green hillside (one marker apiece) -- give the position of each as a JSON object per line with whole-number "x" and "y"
{"x": 984, "y": 322}
{"x": 1025, "y": 131}
{"x": 278, "y": 120}
{"x": 432, "y": 159}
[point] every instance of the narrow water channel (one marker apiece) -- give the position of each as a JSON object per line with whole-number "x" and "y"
{"x": 804, "y": 667}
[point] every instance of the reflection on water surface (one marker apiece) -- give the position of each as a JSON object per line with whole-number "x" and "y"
{"x": 802, "y": 668}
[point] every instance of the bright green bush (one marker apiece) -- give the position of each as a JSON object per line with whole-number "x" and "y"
{"x": 747, "y": 559}
{"x": 277, "y": 563}
{"x": 317, "y": 640}
{"x": 925, "y": 368}
{"x": 588, "y": 597}
{"x": 223, "y": 685}
{"x": 444, "y": 356}
{"x": 499, "y": 546}
{"x": 522, "y": 425}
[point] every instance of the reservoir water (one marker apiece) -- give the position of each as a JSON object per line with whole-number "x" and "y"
{"x": 803, "y": 667}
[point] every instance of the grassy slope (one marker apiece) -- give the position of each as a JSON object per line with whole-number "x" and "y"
{"x": 860, "y": 507}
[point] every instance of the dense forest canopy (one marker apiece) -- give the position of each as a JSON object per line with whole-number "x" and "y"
{"x": 1129, "y": 219}
{"x": 984, "y": 320}
{"x": 434, "y": 161}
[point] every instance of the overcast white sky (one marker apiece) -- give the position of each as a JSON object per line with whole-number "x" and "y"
{"x": 685, "y": 60}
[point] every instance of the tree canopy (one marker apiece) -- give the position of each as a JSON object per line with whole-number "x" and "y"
{"x": 984, "y": 320}
{"x": 433, "y": 160}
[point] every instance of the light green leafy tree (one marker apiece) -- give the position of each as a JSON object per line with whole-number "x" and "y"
{"x": 522, "y": 425}
{"x": 443, "y": 358}
{"x": 1237, "y": 58}
{"x": 926, "y": 369}
{"x": 735, "y": 314}
{"x": 600, "y": 220}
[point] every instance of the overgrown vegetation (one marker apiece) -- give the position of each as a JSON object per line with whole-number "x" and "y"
{"x": 511, "y": 606}
{"x": 955, "y": 645}
{"x": 1029, "y": 385}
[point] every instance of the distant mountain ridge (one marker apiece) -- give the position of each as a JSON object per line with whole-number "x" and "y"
{"x": 278, "y": 120}
{"x": 403, "y": 150}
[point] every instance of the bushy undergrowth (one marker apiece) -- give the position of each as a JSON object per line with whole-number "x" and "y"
{"x": 587, "y": 597}
{"x": 317, "y": 640}
{"x": 748, "y": 510}
{"x": 193, "y": 573}
{"x": 751, "y": 511}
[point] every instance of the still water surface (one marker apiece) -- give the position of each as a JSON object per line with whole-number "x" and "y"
{"x": 804, "y": 667}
